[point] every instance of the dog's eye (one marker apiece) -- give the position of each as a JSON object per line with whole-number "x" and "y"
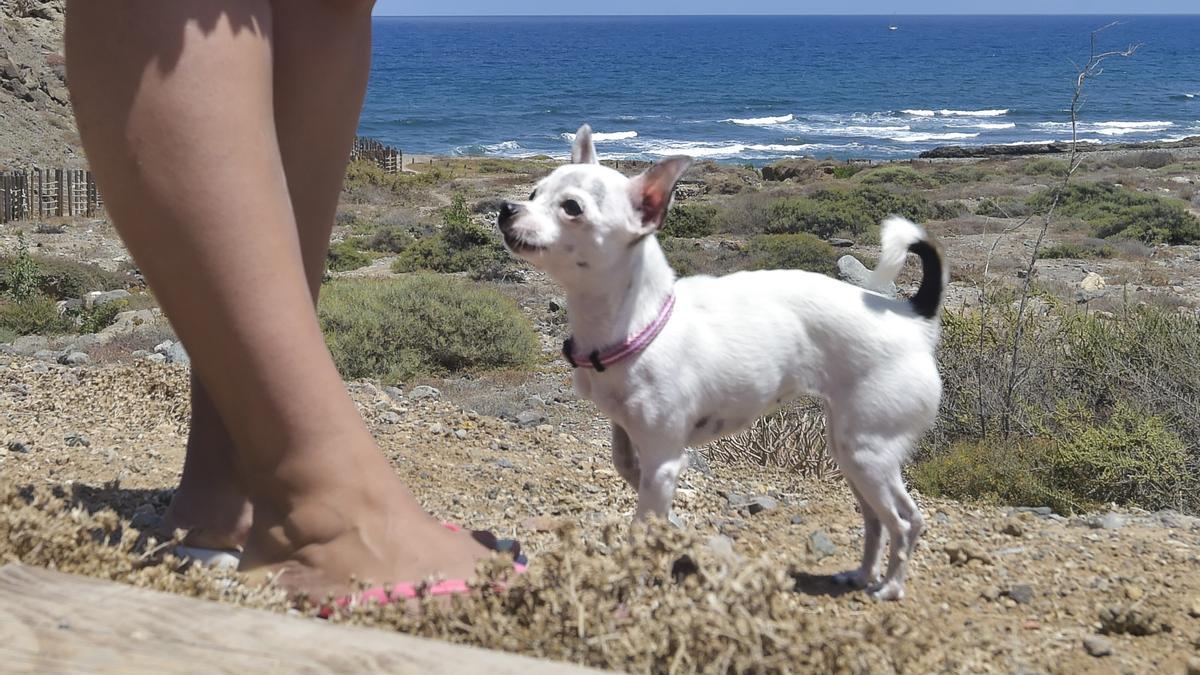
{"x": 572, "y": 208}
{"x": 533, "y": 195}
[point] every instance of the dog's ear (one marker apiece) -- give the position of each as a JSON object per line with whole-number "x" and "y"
{"x": 583, "y": 150}
{"x": 652, "y": 191}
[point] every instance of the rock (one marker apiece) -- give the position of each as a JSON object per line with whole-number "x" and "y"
{"x": 1040, "y": 511}
{"x": 840, "y": 243}
{"x": 162, "y": 347}
{"x": 1194, "y": 610}
{"x": 991, "y": 594}
{"x": 47, "y": 355}
{"x": 156, "y": 358}
{"x": 530, "y": 418}
{"x": 960, "y": 151}
{"x": 127, "y": 322}
{"x": 1131, "y": 620}
{"x": 424, "y": 391}
{"x": 1097, "y": 646}
{"x": 76, "y": 440}
{"x": 545, "y": 428}
{"x": 84, "y": 342}
{"x": 19, "y": 447}
{"x": 760, "y": 504}
{"x": 177, "y": 354}
{"x": 1193, "y": 666}
{"x": 541, "y": 524}
{"x": 1134, "y": 593}
{"x": 852, "y": 271}
{"x": 534, "y": 401}
{"x": 101, "y": 298}
{"x": 19, "y": 389}
{"x": 820, "y": 545}
{"x": 1092, "y": 282}
{"x": 963, "y": 552}
{"x": 460, "y": 434}
{"x": 697, "y": 462}
{"x": 74, "y": 359}
{"x": 1014, "y": 528}
{"x": 941, "y": 518}
{"x": 1109, "y": 521}
{"x": 797, "y": 519}
{"x": 140, "y": 354}
{"x": 28, "y": 345}
{"x": 390, "y": 417}
{"x": 504, "y": 463}
{"x": 1022, "y": 594}
{"x": 394, "y": 393}
{"x": 788, "y": 169}
{"x": 437, "y": 429}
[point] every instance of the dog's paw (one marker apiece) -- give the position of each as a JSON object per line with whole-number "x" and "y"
{"x": 854, "y": 579}
{"x": 887, "y": 591}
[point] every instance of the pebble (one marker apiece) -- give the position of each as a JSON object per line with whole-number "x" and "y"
{"x": 1014, "y": 528}
{"x": 390, "y": 417}
{"x": 1193, "y": 666}
{"x": 504, "y": 463}
{"x": 1022, "y": 594}
{"x": 1109, "y": 521}
{"x": 19, "y": 447}
{"x": 437, "y": 429}
{"x": 797, "y": 520}
{"x": 424, "y": 391}
{"x": 76, "y": 440}
{"x": 941, "y": 518}
{"x": 963, "y": 552}
{"x": 1097, "y": 646}
{"x": 530, "y": 418}
{"x": 460, "y": 434}
{"x": 177, "y": 354}
{"x": 156, "y": 358}
{"x": 820, "y": 545}
{"x": 1134, "y": 593}
{"x": 1194, "y": 610}
{"x": 395, "y": 393}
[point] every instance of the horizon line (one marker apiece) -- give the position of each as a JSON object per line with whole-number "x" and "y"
{"x": 770, "y": 15}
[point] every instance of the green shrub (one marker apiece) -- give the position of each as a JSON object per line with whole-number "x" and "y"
{"x": 792, "y": 251}
{"x": 1078, "y": 250}
{"x": 35, "y": 315}
{"x": 823, "y": 218}
{"x": 364, "y": 173}
{"x": 1124, "y": 214}
{"x": 21, "y": 274}
{"x": 1130, "y": 458}
{"x": 422, "y": 324}
{"x": 1146, "y": 159}
{"x": 690, "y": 220}
{"x": 899, "y": 174}
{"x": 845, "y": 171}
{"x": 1045, "y": 166}
{"x": 58, "y": 278}
{"x": 462, "y": 245}
{"x": 98, "y": 318}
{"x": 389, "y": 239}
{"x": 1002, "y": 208}
{"x": 345, "y": 256}
{"x": 991, "y": 470}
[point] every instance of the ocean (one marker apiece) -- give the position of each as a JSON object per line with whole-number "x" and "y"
{"x": 756, "y": 89}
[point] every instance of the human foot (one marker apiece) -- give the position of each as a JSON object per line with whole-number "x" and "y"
{"x": 215, "y": 517}
{"x": 375, "y": 533}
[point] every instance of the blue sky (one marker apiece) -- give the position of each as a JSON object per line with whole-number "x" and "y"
{"x": 885, "y": 7}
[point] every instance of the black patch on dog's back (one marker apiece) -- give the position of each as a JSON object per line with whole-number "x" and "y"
{"x": 929, "y": 296}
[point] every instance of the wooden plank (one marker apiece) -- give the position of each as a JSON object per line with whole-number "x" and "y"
{"x": 58, "y": 623}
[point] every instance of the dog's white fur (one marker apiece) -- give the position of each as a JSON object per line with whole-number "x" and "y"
{"x": 736, "y": 347}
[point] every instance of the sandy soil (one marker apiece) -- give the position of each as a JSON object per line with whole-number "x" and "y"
{"x": 992, "y": 590}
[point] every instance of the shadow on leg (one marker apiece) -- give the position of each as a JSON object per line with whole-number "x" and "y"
{"x": 625, "y": 458}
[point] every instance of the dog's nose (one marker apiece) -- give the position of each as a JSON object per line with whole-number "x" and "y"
{"x": 508, "y": 212}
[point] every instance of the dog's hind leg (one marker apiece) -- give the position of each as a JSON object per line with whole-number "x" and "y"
{"x": 877, "y": 475}
{"x": 625, "y": 458}
{"x": 868, "y": 571}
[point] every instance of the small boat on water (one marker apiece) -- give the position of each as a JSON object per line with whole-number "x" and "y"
{"x": 893, "y": 27}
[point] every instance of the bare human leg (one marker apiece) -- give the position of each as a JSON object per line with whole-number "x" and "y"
{"x": 176, "y": 108}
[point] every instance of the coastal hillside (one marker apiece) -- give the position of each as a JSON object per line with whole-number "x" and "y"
{"x": 36, "y": 124}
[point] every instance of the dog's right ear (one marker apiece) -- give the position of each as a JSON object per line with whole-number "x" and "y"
{"x": 583, "y": 151}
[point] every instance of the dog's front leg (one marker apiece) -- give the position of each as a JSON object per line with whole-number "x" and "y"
{"x": 659, "y": 466}
{"x": 625, "y": 457}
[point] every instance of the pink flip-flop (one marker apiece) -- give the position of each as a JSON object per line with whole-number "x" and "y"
{"x": 411, "y": 591}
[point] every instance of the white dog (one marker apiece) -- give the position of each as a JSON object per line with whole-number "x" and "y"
{"x": 681, "y": 362}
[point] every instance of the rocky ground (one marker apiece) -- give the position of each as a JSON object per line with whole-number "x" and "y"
{"x": 36, "y": 124}
{"x": 740, "y": 586}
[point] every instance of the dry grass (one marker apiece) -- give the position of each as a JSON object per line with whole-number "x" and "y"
{"x": 792, "y": 439}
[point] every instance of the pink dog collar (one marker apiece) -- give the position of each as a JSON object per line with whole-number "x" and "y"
{"x": 601, "y": 360}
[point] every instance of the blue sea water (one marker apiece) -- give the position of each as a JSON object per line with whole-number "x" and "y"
{"x": 755, "y": 89}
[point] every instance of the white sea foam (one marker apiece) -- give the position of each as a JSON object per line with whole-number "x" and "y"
{"x": 920, "y": 137}
{"x": 506, "y": 146}
{"x": 761, "y": 121}
{"x": 599, "y": 137}
{"x": 989, "y": 126}
{"x": 944, "y": 112}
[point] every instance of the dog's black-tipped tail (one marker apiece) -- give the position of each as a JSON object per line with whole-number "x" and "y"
{"x": 901, "y": 237}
